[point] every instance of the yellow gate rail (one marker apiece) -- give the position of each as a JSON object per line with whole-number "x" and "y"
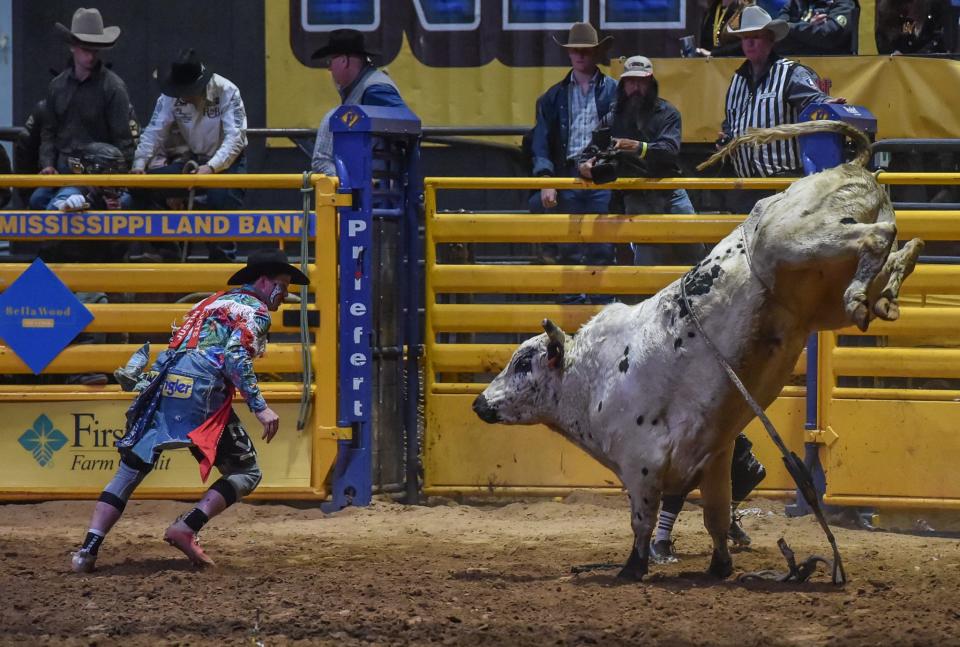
{"x": 866, "y": 393}
{"x": 88, "y": 419}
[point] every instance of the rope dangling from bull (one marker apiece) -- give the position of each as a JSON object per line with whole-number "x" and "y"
{"x": 795, "y": 466}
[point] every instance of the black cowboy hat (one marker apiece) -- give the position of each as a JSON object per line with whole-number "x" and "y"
{"x": 269, "y": 261}
{"x": 344, "y": 41}
{"x": 87, "y": 30}
{"x": 188, "y": 76}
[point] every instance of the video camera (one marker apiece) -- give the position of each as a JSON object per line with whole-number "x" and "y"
{"x": 605, "y": 168}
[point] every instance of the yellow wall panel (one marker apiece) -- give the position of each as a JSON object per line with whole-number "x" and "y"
{"x": 461, "y": 452}
{"x": 85, "y": 458}
{"x": 893, "y": 448}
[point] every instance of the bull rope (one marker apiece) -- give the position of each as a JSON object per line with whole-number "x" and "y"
{"x": 798, "y": 471}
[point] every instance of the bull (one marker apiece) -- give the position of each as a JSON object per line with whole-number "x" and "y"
{"x": 638, "y": 388}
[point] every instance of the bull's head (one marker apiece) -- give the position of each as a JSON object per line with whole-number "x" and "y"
{"x": 527, "y": 390}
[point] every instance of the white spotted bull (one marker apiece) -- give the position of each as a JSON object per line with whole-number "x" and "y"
{"x": 640, "y": 391}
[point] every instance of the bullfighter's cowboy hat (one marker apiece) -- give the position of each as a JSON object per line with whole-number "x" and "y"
{"x": 269, "y": 261}
{"x": 344, "y": 41}
{"x": 87, "y": 30}
{"x": 754, "y": 19}
{"x": 188, "y": 76}
{"x": 582, "y": 35}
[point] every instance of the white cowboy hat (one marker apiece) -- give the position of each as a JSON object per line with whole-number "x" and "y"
{"x": 87, "y": 30}
{"x": 637, "y": 66}
{"x": 754, "y": 20}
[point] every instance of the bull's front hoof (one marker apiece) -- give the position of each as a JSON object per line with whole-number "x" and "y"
{"x": 860, "y": 315}
{"x": 887, "y": 309}
{"x": 720, "y": 567}
{"x": 635, "y": 568}
{"x": 628, "y": 574}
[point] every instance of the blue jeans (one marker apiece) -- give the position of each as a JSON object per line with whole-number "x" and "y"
{"x": 676, "y": 201}
{"x": 212, "y": 199}
{"x": 190, "y": 392}
{"x": 126, "y": 200}
{"x": 42, "y": 196}
{"x": 577, "y": 201}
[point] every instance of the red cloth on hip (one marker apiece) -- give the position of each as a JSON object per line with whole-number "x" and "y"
{"x": 206, "y": 437}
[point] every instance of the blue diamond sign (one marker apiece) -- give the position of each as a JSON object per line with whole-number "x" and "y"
{"x": 40, "y": 316}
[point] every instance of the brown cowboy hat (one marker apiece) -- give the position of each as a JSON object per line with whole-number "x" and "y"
{"x": 269, "y": 261}
{"x": 582, "y": 35}
{"x": 87, "y": 30}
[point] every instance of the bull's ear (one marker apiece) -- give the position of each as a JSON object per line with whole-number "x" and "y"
{"x": 555, "y": 346}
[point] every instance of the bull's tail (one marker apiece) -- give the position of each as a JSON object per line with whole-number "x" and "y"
{"x": 759, "y": 136}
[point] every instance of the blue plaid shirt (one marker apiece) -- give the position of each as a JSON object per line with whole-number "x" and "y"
{"x": 583, "y": 116}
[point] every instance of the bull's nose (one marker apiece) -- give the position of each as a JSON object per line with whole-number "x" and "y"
{"x": 483, "y": 409}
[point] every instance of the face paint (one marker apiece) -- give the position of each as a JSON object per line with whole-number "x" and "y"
{"x": 276, "y": 294}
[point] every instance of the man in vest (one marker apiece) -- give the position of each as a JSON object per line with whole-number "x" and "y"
{"x": 357, "y": 81}
{"x": 766, "y": 91}
{"x": 186, "y": 400}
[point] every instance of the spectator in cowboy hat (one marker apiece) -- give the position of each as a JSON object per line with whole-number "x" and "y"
{"x": 566, "y": 116}
{"x": 208, "y": 112}
{"x": 359, "y": 83}
{"x": 85, "y": 103}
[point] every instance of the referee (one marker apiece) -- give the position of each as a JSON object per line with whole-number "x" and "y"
{"x": 766, "y": 91}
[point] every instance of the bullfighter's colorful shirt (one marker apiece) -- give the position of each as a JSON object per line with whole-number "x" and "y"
{"x": 233, "y": 334}
{"x": 190, "y": 381}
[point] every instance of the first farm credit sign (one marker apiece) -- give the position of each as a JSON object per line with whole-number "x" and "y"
{"x": 56, "y": 446}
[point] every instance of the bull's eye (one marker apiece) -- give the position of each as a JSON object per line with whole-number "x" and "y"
{"x": 523, "y": 365}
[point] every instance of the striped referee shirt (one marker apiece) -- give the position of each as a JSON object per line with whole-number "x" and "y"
{"x": 778, "y": 97}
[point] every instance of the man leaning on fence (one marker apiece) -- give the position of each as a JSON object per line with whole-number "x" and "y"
{"x": 566, "y": 116}
{"x": 208, "y": 112}
{"x": 358, "y": 82}
{"x": 644, "y": 132}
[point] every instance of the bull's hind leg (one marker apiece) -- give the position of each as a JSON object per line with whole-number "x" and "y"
{"x": 898, "y": 267}
{"x": 715, "y": 491}
{"x": 644, "y": 503}
{"x": 873, "y": 248}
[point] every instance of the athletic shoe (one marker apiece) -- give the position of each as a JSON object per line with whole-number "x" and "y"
{"x": 83, "y": 561}
{"x": 737, "y": 534}
{"x": 184, "y": 539}
{"x": 661, "y": 552}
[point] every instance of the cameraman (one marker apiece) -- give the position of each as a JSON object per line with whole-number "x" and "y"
{"x": 645, "y": 142}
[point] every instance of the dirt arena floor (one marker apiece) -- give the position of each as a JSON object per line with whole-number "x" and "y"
{"x": 457, "y": 575}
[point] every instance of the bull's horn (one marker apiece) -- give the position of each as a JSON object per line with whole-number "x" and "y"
{"x": 554, "y": 333}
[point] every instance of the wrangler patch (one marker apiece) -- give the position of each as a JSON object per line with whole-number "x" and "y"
{"x": 178, "y": 386}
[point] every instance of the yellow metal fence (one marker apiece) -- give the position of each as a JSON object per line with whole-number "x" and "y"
{"x": 885, "y": 424}
{"x": 84, "y": 421}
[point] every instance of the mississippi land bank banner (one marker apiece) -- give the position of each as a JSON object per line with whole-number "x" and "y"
{"x": 192, "y": 225}
{"x": 68, "y": 447}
